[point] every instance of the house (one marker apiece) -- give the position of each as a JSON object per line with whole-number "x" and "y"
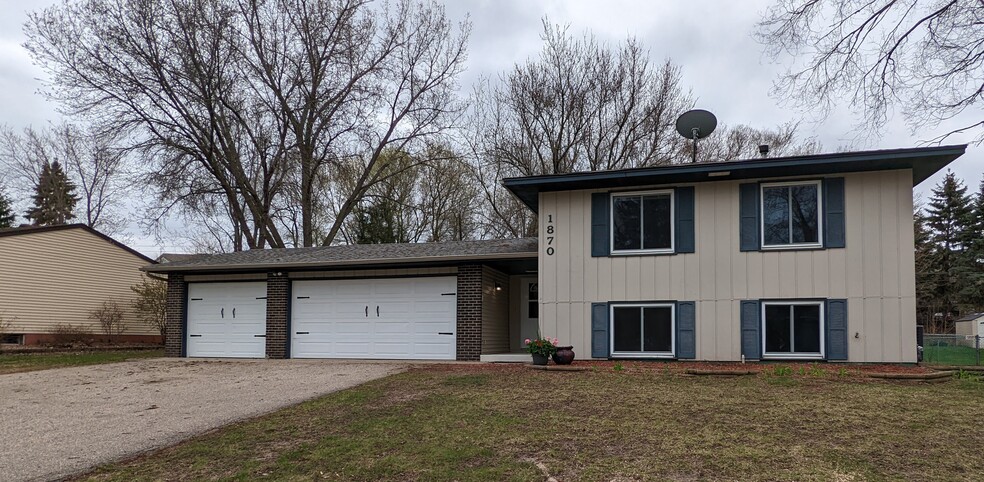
{"x": 52, "y": 277}
{"x": 970, "y": 325}
{"x": 803, "y": 257}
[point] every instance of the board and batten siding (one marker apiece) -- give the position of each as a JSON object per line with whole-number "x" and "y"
{"x": 57, "y": 277}
{"x": 875, "y": 272}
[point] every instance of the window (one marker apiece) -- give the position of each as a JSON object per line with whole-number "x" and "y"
{"x": 533, "y": 302}
{"x": 793, "y": 329}
{"x": 642, "y": 222}
{"x": 642, "y": 330}
{"x": 791, "y": 215}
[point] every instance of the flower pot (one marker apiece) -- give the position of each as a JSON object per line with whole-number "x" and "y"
{"x": 564, "y": 355}
{"x": 539, "y": 360}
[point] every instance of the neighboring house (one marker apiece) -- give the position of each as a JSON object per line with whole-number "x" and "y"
{"x": 805, "y": 257}
{"x": 54, "y": 276}
{"x": 970, "y": 325}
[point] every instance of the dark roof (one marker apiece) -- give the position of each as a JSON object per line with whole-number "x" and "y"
{"x": 924, "y": 162}
{"x": 64, "y": 227}
{"x": 172, "y": 257}
{"x": 356, "y": 255}
{"x": 970, "y": 317}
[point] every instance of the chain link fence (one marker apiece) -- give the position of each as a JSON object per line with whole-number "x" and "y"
{"x": 956, "y": 350}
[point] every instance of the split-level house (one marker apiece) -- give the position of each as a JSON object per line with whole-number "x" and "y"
{"x": 803, "y": 257}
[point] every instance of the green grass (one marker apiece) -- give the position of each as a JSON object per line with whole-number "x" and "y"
{"x": 25, "y": 362}
{"x": 950, "y": 355}
{"x": 480, "y": 423}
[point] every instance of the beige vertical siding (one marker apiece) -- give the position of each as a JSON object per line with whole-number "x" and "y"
{"x": 57, "y": 277}
{"x": 875, "y": 272}
{"x": 495, "y": 312}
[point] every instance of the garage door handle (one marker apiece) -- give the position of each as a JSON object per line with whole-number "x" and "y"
{"x": 367, "y": 311}
{"x": 222, "y": 312}
{"x": 260, "y": 336}
{"x": 302, "y": 332}
{"x": 377, "y": 311}
{"x": 233, "y": 312}
{"x": 445, "y": 333}
{"x": 195, "y": 336}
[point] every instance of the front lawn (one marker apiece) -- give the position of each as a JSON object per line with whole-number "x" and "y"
{"x": 26, "y": 362}
{"x": 481, "y": 422}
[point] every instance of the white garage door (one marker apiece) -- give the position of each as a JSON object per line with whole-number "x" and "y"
{"x": 226, "y": 320}
{"x": 397, "y": 318}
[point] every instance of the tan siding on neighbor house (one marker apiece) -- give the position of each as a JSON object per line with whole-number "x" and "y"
{"x": 875, "y": 272}
{"x": 495, "y": 312}
{"x": 57, "y": 277}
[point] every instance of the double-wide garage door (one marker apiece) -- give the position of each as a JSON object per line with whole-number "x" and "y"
{"x": 394, "y": 318}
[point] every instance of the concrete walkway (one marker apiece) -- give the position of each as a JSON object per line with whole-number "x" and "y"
{"x": 55, "y": 423}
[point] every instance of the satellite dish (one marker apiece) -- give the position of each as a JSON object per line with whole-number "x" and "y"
{"x": 696, "y": 124}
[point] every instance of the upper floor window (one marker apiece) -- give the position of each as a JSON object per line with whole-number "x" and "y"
{"x": 791, "y": 215}
{"x": 642, "y": 222}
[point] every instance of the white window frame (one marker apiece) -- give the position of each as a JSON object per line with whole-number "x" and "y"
{"x": 792, "y": 333}
{"x": 642, "y": 221}
{"x": 791, "y": 245}
{"x": 641, "y": 354}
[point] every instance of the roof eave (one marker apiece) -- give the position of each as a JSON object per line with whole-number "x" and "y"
{"x": 341, "y": 264}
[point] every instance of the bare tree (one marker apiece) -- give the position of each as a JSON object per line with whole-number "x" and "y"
{"x": 582, "y": 105}
{"x": 731, "y": 143}
{"x": 923, "y": 56}
{"x": 92, "y": 162}
{"x": 255, "y": 105}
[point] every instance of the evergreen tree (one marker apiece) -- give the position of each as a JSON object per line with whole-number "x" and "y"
{"x": 925, "y": 274}
{"x": 54, "y": 198}
{"x": 948, "y": 215}
{"x": 7, "y": 216}
{"x": 378, "y": 222}
{"x": 972, "y": 267}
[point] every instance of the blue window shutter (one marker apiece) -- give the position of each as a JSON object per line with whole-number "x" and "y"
{"x": 599, "y": 330}
{"x": 686, "y": 330}
{"x": 684, "y": 219}
{"x": 833, "y": 215}
{"x": 751, "y": 326}
{"x": 836, "y": 335}
{"x": 600, "y": 230}
{"x": 748, "y": 213}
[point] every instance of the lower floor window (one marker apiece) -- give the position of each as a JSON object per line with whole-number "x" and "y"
{"x": 642, "y": 330}
{"x": 793, "y": 329}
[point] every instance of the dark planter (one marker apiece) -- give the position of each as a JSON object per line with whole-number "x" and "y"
{"x": 564, "y": 355}
{"x": 539, "y": 360}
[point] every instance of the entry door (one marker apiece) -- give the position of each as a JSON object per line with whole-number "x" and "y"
{"x": 529, "y": 323}
{"x": 226, "y": 320}
{"x": 379, "y": 318}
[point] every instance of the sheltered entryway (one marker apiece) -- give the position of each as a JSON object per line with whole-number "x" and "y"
{"x": 226, "y": 320}
{"x": 376, "y": 318}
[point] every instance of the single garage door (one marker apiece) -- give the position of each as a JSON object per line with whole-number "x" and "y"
{"x": 394, "y": 318}
{"x": 226, "y": 320}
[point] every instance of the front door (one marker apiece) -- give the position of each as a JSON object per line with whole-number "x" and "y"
{"x": 529, "y": 320}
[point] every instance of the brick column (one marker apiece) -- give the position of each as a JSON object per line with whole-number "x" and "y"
{"x": 278, "y": 297}
{"x": 177, "y": 291}
{"x": 469, "y": 332}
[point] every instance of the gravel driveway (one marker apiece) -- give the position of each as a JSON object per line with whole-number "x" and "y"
{"x": 59, "y": 422}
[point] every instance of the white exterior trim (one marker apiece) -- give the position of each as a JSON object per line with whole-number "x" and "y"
{"x": 820, "y": 218}
{"x": 642, "y": 223}
{"x": 795, "y": 355}
{"x": 637, "y": 354}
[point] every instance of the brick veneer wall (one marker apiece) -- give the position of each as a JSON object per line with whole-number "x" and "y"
{"x": 278, "y": 293}
{"x": 469, "y": 326}
{"x": 177, "y": 291}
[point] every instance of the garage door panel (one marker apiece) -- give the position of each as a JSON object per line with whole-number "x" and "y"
{"x": 412, "y": 313}
{"x": 224, "y": 320}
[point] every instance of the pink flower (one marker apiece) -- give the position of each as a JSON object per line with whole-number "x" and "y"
{"x": 556, "y": 341}
{"x": 527, "y": 341}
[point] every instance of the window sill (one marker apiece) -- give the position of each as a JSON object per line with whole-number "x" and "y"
{"x": 793, "y": 247}
{"x": 792, "y": 356}
{"x": 643, "y": 252}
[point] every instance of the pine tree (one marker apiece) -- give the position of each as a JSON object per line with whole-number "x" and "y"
{"x": 948, "y": 215}
{"x": 7, "y": 216}
{"x": 54, "y": 199}
{"x": 972, "y": 266}
{"x": 925, "y": 274}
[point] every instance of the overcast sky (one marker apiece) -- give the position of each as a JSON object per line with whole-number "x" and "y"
{"x": 712, "y": 41}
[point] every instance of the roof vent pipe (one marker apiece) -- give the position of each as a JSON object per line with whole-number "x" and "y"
{"x": 764, "y": 150}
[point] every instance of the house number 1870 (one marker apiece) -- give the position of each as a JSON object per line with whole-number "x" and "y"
{"x": 550, "y": 235}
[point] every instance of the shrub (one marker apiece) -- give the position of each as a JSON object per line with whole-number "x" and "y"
{"x": 110, "y": 317}
{"x": 67, "y": 334}
{"x": 151, "y": 302}
{"x": 4, "y": 330}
